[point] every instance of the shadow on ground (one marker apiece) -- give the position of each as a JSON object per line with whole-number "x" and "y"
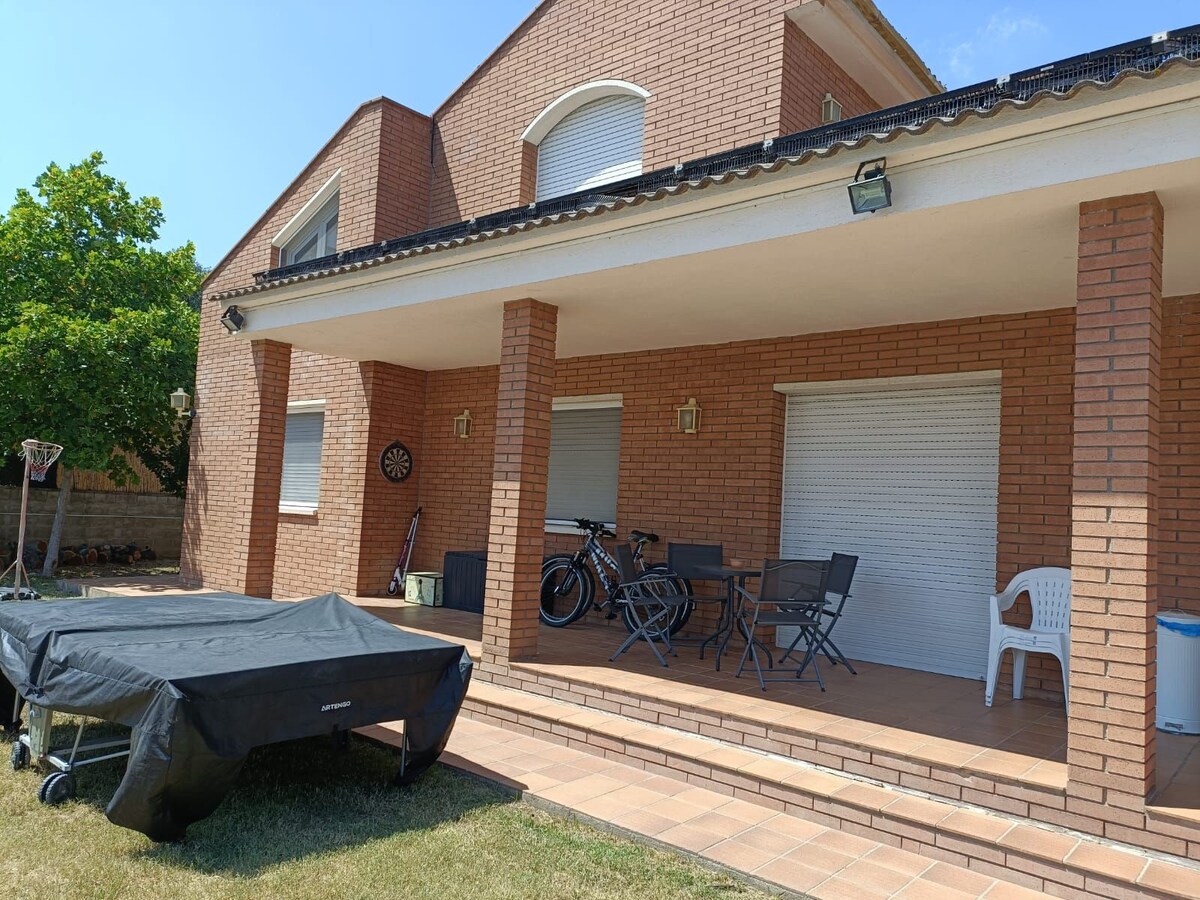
{"x": 297, "y": 800}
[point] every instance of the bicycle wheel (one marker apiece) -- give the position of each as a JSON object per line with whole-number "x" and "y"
{"x": 657, "y": 585}
{"x": 567, "y": 591}
{"x": 681, "y": 614}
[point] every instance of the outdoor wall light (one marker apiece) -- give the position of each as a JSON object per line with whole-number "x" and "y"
{"x": 233, "y": 320}
{"x": 181, "y": 402}
{"x": 871, "y": 191}
{"x": 689, "y": 416}
{"x": 462, "y": 424}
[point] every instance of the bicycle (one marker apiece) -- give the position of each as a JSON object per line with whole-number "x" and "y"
{"x": 569, "y": 585}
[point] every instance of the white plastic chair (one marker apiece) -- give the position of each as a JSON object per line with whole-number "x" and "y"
{"x": 1049, "y": 591}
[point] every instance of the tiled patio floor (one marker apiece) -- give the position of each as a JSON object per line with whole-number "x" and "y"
{"x": 781, "y": 849}
{"x": 918, "y": 714}
{"x": 914, "y": 713}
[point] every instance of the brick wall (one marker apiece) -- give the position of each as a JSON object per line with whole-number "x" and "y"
{"x": 1179, "y": 457}
{"x": 808, "y": 74}
{"x": 715, "y": 70}
{"x": 725, "y": 483}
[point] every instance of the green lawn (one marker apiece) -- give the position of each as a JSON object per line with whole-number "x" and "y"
{"x": 309, "y": 821}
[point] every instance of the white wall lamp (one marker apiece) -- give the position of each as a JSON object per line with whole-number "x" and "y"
{"x": 181, "y": 402}
{"x": 871, "y": 191}
{"x": 462, "y": 424}
{"x": 233, "y": 320}
{"x": 689, "y": 416}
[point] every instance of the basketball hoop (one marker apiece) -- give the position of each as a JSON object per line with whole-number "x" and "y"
{"x": 40, "y": 456}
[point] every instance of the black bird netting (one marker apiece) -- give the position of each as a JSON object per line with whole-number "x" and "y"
{"x": 1099, "y": 67}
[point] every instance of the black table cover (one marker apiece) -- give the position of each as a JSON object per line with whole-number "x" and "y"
{"x": 202, "y": 679}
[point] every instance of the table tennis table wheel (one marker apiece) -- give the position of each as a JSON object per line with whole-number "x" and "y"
{"x": 59, "y": 787}
{"x": 19, "y": 756}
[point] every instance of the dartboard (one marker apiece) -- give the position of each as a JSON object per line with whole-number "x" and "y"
{"x": 395, "y": 462}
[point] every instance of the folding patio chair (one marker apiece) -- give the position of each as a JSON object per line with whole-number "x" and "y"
{"x": 650, "y": 598}
{"x": 790, "y": 595}
{"x": 838, "y": 577}
{"x": 701, "y": 562}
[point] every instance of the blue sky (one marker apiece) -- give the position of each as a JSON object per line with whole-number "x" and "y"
{"x": 215, "y": 106}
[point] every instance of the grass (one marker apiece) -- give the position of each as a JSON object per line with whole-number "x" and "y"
{"x": 50, "y": 590}
{"x": 307, "y": 820}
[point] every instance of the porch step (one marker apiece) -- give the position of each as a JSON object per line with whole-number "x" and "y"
{"x": 1007, "y": 847}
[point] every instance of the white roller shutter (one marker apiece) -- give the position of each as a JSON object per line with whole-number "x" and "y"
{"x": 585, "y": 451}
{"x": 301, "y": 479}
{"x": 597, "y": 143}
{"x": 906, "y": 479}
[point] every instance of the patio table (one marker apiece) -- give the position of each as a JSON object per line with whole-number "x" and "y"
{"x": 733, "y": 578}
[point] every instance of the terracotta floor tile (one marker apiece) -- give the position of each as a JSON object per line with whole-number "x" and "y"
{"x": 661, "y": 784}
{"x": 946, "y": 875}
{"x": 1004, "y": 890}
{"x": 634, "y": 796}
{"x": 1163, "y": 876}
{"x": 842, "y": 842}
{"x": 767, "y": 840}
{"x": 749, "y": 813}
{"x": 1040, "y": 842}
{"x": 564, "y": 773}
{"x": 690, "y": 838}
{"x": 923, "y": 889}
{"x": 739, "y": 856}
{"x": 874, "y": 877}
{"x": 839, "y": 888}
{"x": 726, "y": 826}
{"x": 977, "y": 825}
{"x": 643, "y": 821}
{"x": 794, "y": 827}
{"x": 791, "y": 874}
{"x": 570, "y": 793}
{"x": 675, "y": 809}
{"x": 918, "y": 809}
{"x": 1108, "y": 861}
{"x": 898, "y": 860}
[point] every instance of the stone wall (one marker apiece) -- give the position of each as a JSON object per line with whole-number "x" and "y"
{"x": 97, "y": 517}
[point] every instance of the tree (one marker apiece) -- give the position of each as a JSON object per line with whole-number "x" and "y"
{"x": 96, "y": 329}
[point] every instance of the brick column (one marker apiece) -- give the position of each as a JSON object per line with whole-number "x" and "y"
{"x": 522, "y": 452}
{"x": 1115, "y": 516}
{"x": 264, "y": 443}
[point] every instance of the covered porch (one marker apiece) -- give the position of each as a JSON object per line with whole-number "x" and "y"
{"x": 916, "y": 730}
{"x": 1026, "y": 251}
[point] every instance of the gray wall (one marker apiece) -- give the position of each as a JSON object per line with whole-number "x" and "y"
{"x": 97, "y": 517}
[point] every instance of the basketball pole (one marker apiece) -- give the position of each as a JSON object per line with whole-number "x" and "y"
{"x": 19, "y": 564}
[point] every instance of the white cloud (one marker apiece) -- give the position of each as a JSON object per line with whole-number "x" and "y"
{"x": 990, "y": 41}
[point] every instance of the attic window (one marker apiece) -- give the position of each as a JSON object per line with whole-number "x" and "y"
{"x": 312, "y": 232}
{"x": 831, "y": 110}
{"x": 317, "y": 238}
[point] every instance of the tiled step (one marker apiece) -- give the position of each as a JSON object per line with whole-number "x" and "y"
{"x": 1008, "y": 847}
{"x": 780, "y": 852}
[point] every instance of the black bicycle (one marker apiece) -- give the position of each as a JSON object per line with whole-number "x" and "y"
{"x": 569, "y": 580}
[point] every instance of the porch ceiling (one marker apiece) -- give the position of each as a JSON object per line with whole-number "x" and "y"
{"x": 1005, "y": 254}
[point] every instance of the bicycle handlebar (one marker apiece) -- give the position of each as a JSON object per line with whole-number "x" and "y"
{"x": 595, "y": 528}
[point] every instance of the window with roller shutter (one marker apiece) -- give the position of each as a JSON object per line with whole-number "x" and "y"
{"x": 596, "y": 144}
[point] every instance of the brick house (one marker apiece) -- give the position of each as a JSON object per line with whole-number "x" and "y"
{"x": 630, "y": 205}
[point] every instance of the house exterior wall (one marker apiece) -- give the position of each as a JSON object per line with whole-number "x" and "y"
{"x": 720, "y": 75}
{"x": 1179, "y": 457}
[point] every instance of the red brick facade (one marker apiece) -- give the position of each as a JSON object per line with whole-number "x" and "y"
{"x": 520, "y": 453}
{"x": 1100, "y": 403}
{"x": 1114, "y": 559}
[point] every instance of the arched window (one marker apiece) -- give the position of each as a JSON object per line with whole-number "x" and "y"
{"x": 590, "y": 136}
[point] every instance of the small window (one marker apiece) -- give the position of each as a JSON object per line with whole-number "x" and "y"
{"x": 596, "y": 144}
{"x": 318, "y": 238}
{"x": 831, "y": 110}
{"x": 301, "y": 480}
{"x": 585, "y": 447}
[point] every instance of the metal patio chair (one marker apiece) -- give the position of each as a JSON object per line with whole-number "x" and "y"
{"x": 790, "y": 595}
{"x": 700, "y": 562}
{"x": 649, "y": 598}
{"x": 839, "y": 575}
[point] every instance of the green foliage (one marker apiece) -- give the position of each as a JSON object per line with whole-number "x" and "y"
{"x": 96, "y": 327}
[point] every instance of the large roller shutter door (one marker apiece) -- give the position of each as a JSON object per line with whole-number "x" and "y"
{"x": 905, "y": 477}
